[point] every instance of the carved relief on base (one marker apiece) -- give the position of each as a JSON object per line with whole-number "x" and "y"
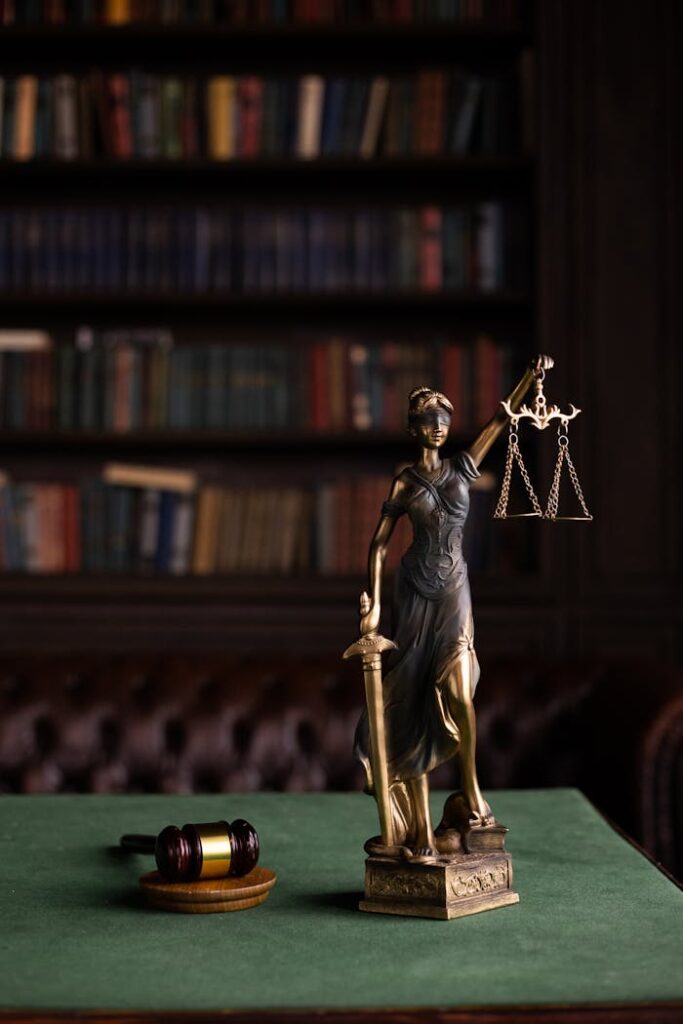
{"x": 453, "y": 887}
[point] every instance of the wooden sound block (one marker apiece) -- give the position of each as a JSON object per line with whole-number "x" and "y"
{"x": 211, "y": 896}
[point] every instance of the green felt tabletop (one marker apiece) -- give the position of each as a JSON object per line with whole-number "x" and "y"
{"x": 596, "y": 922}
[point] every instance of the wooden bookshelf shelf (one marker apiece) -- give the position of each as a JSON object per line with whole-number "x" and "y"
{"x": 268, "y": 303}
{"x": 117, "y": 588}
{"x": 317, "y": 48}
{"x": 479, "y": 33}
{"x": 346, "y": 172}
{"x": 209, "y": 440}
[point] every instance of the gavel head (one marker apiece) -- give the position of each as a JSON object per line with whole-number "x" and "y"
{"x": 210, "y": 850}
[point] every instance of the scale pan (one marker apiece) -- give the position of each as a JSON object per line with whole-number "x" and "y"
{"x": 569, "y": 519}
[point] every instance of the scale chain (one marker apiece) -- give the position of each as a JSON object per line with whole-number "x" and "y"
{"x": 514, "y": 455}
{"x": 554, "y": 495}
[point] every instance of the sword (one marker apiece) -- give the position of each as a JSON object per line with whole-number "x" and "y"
{"x": 370, "y": 647}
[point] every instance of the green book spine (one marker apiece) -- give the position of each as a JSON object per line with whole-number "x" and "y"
{"x": 66, "y": 369}
{"x": 171, "y": 118}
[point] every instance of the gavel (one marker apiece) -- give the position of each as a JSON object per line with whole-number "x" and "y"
{"x": 210, "y": 850}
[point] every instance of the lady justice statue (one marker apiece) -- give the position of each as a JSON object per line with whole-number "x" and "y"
{"x": 421, "y": 713}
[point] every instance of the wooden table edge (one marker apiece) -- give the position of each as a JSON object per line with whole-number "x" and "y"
{"x": 665, "y": 1012}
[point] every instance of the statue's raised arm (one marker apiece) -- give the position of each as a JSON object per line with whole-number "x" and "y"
{"x": 494, "y": 428}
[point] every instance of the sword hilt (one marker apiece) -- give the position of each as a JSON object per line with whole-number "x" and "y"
{"x": 369, "y": 645}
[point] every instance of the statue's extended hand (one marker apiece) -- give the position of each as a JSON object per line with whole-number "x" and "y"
{"x": 369, "y": 615}
{"x": 542, "y": 362}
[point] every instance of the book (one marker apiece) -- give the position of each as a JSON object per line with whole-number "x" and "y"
{"x": 310, "y": 109}
{"x": 26, "y": 101}
{"x": 377, "y": 103}
{"x": 65, "y": 117}
{"x": 221, "y": 117}
{"x": 463, "y": 126}
{"x": 249, "y": 129}
{"x": 119, "y": 117}
{"x": 150, "y": 477}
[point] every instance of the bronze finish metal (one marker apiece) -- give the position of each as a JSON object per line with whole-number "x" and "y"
{"x": 369, "y": 648}
{"x": 461, "y": 867}
{"x": 540, "y": 416}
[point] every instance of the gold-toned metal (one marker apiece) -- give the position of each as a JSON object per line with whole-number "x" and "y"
{"x": 539, "y": 414}
{"x": 554, "y": 495}
{"x": 216, "y": 849}
{"x": 422, "y": 712}
{"x": 540, "y": 417}
{"x": 369, "y": 647}
{"x": 515, "y": 455}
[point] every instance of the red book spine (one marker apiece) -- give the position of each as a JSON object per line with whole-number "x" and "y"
{"x": 54, "y": 12}
{"x": 431, "y": 106}
{"x": 344, "y": 525}
{"x": 250, "y": 105}
{"x": 391, "y": 400}
{"x": 119, "y": 119}
{"x": 402, "y": 10}
{"x": 365, "y": 516}
{"x": 485, "y": 372}
{"x": 430, "y": 249}
{"x": 453, "y": 382}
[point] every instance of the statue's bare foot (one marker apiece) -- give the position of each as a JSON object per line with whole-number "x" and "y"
{"x": 481, "y": 820}
{"x": 481, "y": 815}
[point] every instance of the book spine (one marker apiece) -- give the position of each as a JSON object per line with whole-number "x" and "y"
{"x": 26, "y": 100}
{"x": 250, "y": 101}
{"x": 165, "y": 534}
{"x": 149, "y": 528}
{"x": 182, "y": 532}
{"x": 430, "y": 249}
{"x": 221, "y": 117}
{"x": 66, "y": 117}
{"x": 377, "y": 104}
{"x": 311, "y": 97}
{"x": 119, "y": 120}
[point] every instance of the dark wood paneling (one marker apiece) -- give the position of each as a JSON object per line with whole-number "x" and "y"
{"x": 610, "y": 223}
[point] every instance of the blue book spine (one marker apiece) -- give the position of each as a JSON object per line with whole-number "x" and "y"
{"x": 12, "y": 529}
{"x": 335, "y": 97}
{"x": 119, "y": 505}
{"x": 165, "y": 536}
{"x": 8, "y": 124}
{"x": 43, "y": 126}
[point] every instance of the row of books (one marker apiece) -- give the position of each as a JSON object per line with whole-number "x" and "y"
{"x": 252, "y": 12}
{"x": 254, "y": 251}
{"x": 145, "y": 520}
{"x": 128, "y": 380}
{"x": 141, "y": 115}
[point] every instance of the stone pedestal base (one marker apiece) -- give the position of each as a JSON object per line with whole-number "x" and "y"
{"x": 456, "y": 886}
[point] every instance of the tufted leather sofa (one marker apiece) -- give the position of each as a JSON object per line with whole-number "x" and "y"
{"x": 155, "y": 723}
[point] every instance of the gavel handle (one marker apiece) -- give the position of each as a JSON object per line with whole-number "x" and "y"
{"x": 138, "y": 844}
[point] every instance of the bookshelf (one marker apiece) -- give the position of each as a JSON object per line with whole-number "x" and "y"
{"x": 131, "y": 610}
